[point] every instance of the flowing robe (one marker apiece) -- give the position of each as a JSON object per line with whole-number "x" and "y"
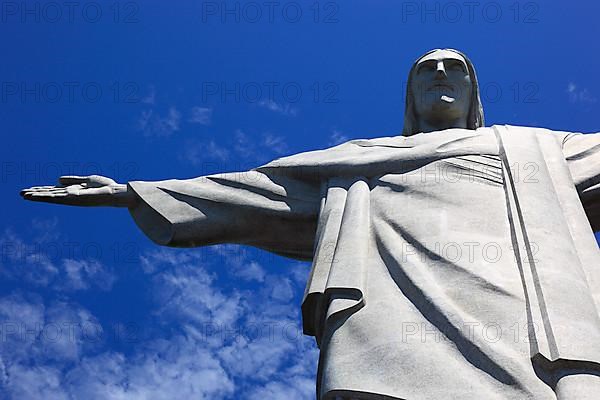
{"x": 455, "y": 264}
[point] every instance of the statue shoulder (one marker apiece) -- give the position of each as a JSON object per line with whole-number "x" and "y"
{"x": 340, "y": 153}
{"x": 561, "y": 136}
{"x": 537, "y": 129}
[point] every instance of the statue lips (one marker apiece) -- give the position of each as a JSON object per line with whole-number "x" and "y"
{"x": 444, "y": 92}
{"x": 440, "y": 86}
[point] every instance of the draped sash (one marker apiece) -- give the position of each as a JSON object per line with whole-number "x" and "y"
{"x": 543, "y": 205}
{"x": 336, "y": 286}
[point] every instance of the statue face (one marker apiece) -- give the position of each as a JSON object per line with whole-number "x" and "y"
{"x": 441, "y": 86}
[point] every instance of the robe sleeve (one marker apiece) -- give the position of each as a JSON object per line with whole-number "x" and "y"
{"x": 582, "y": 152}
{"x": 275, "y": 213}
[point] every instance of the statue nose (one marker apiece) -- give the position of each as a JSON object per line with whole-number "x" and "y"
{"x": 440, "y": 71}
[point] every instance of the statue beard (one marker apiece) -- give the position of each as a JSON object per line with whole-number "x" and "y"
{"x": 444, "y": 109}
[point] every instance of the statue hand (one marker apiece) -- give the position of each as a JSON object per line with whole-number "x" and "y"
{"x": 93, "y": 190}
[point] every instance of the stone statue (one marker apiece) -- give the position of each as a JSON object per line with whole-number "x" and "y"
{"x": 456, "y": 261}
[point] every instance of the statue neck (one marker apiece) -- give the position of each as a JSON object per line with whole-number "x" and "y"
{"x": 432, "y": 126}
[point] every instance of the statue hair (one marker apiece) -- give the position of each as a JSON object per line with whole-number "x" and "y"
{"x": 475, "y": 117}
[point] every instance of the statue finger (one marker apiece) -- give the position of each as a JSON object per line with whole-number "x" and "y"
{"x": 48, "y": 198}
{"x": 58, "y": 191}
{"x": 52, "y": 194}
{"x": 41, "y": 187}
{"x": 67, "y": 180}
{"x": 24, "y": 192}
{"x": 54, "y": 190}
{"x": 46, "y": 190}
{"x": 33, "y": 195}
{"x": 50, "y": 189}
{"x": 32, "y": 189}
{"x": 98, "y": 181}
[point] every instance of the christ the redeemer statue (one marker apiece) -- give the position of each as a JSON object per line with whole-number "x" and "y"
{"x": 456, "y": 261}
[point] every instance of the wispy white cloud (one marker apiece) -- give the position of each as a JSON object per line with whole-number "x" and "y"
{"x": 274, "y": 143}
{"x": 36, "y": 333}
{"x": 210, "y": 341}
{"x": 186, "y": 292}
{"x": 299, "y": 273}
{"x": 41, "y": 263}
{"x": 25, "y": 261}
{"x": 150, "y": 98}
{"x": 255, "y": 334}
{"x": 258, "y": 150}
{"x": 201, "y": 115}
{"x": 45, "y": 229}
{"x": 240, "y": 265}
{"x": 81, "y": 274}
{"x": 203, "y": 152}
{"x": 291, "y": 387}
{"x": 34, "y": 382}
{"x": 241, "y": 150}
{"x": 153, "y": 124}
{"x": 284, "y": 109}
{"x": 243, "y": 144}
{"x": 579, "y": 95}
{"x": 251, "y": 271}
{"x": 337, "y": 137}
{"x": 167, "y": 369}
{"x": 216, "y": 152}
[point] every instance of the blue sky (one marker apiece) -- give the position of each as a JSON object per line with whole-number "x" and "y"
{"x": 89, "y": 307}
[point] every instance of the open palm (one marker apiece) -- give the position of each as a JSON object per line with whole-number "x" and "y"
{"x": 93, "y": 190}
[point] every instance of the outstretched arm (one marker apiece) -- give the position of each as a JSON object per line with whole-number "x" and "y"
{"x": 275, "y": 213}
{"x": 582, "y": 152}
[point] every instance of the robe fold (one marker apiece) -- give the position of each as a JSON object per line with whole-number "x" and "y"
{"x": 455, "y": 264}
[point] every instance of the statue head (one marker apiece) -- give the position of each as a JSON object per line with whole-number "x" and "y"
{"x": 442, "y": 92}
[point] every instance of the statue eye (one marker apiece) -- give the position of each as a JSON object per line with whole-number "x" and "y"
{"x": 457, "y": 67}
{"x": 425, "y": 67}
